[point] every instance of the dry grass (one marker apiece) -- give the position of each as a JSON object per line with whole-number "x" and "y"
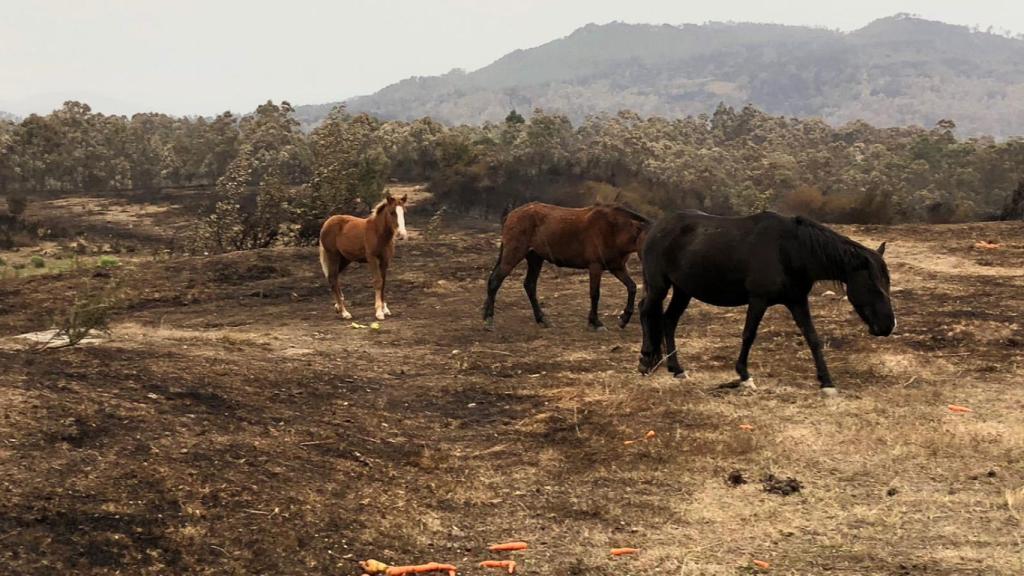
{"x": 233, "y": 424}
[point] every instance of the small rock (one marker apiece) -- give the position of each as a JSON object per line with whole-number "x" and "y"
{"x": 781, "y": 486}
{"x": 892, "y": 492}
{"x": 735, "y": 478}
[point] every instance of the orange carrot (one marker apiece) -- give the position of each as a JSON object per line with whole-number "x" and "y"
{"x": 959, "y": 409}
{"x": 373, "y": 566}
{"x": 747, "y": 427}
{"x": 624, "y": 551}
{"x": 628, "y": 442}
{"x": 510, "y": 564}
{"x": 761, "y": 564}
{"x": 650, "y": 434}
{"x": 420, "y": 569}
{"x": 508, "y": 547}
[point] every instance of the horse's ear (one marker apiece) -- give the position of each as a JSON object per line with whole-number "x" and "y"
{"x": 389, "y": 198}
{"x": 881, "y": 249}
{"x": 403, "y": 198}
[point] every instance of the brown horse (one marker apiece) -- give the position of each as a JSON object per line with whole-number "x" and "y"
{"x": 347, "y": 239}
{"x": 597, "y": 238}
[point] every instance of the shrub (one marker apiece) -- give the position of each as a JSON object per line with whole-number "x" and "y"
{"x": 90, "y": 312}
{"x": 803, "y": 201}
{"x": 38, "y": 262}
{"x": 107, "y": 262}
{"x": 1013, "y": 209}
{"x": 16, "y": 206}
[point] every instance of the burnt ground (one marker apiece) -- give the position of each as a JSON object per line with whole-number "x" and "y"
{"x": 233, "y": 424}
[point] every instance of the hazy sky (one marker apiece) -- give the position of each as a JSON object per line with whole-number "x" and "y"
{"x": 206, "y": 56}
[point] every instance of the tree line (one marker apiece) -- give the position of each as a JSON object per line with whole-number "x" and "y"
{"x": 275, "y": 182}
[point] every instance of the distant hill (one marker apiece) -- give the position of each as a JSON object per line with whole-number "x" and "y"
{"x": 895, "y": 71}
{"x": 8, "y": 116}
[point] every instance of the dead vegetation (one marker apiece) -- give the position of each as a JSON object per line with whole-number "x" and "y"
{"x": 233, "y": 424}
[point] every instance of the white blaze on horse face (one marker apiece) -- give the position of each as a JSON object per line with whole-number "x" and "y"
{"x": 400, "y": 211}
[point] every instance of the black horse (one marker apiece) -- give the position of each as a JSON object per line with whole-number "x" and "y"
{"x": 758, "y": 260}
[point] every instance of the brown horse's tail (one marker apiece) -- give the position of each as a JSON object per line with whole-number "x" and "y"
{"x": 325, "y": 262}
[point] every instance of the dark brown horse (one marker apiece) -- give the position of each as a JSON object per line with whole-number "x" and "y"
{"x": 597, "y": 238}
{"x": 346, "y": 239}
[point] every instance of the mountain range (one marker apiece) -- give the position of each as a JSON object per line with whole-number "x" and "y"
{"x": 899, "y": 70}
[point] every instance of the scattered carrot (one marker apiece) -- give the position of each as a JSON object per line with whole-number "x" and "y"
{"x": 508, "y": 547}
{"x": 373, "y": 566}
{"x": 648, "y": 436}
{"x": 624, "y": 551}
{"x": 420, "y": 569}
{"x": 987, "y": 245}
{"x": 761, "y": 564}
{"x": 959, "y": 409}
{"x": 509, "y": 564}
{"x": 747, "y": 427}
{"x": 377, "y": 567}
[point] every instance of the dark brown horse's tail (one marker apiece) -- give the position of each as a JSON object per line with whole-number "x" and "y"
{"x": 497, "y": 263}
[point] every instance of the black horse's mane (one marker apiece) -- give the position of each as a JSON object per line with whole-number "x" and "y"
{"x": 836, "y": 254}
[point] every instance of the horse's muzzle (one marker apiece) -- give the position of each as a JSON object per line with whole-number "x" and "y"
{"x": 881, "y": 331}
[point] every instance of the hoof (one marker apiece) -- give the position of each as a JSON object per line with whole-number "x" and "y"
{"x": 829, "y": 392}
{"x": 543, "y": 323}
{"x": 598, "y": 328}
{"x": 380, "y": 315}
{"x": 489, "y": 324}
{"x": 747, "y": 384}
{"x": 681, "y": 375}
{"x": 387, "y": 312}
{"x": 345, "y": 314}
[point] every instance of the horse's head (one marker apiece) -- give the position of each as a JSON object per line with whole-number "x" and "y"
{"x": 867, "y": 287}
{"x": 394, "y": 207}
{"x": 633, "y": 229}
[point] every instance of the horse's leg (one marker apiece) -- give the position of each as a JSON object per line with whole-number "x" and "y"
{"x": 651, "y": 324}
{"x": 340, "y": 294}
{"x": 508, "y": 257}
{"x": 676, "y": 306}
{"x": 378, "y": 287}
{"x": 801, "y": 312}
{"x": 755, "y": 312}
{"x": 593, "y": 320}
{"x": 623, "y": 275}
{"x": 534, "y": 263}
{"x": 383, "y": 265}
{"x": 333, "y": 264}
